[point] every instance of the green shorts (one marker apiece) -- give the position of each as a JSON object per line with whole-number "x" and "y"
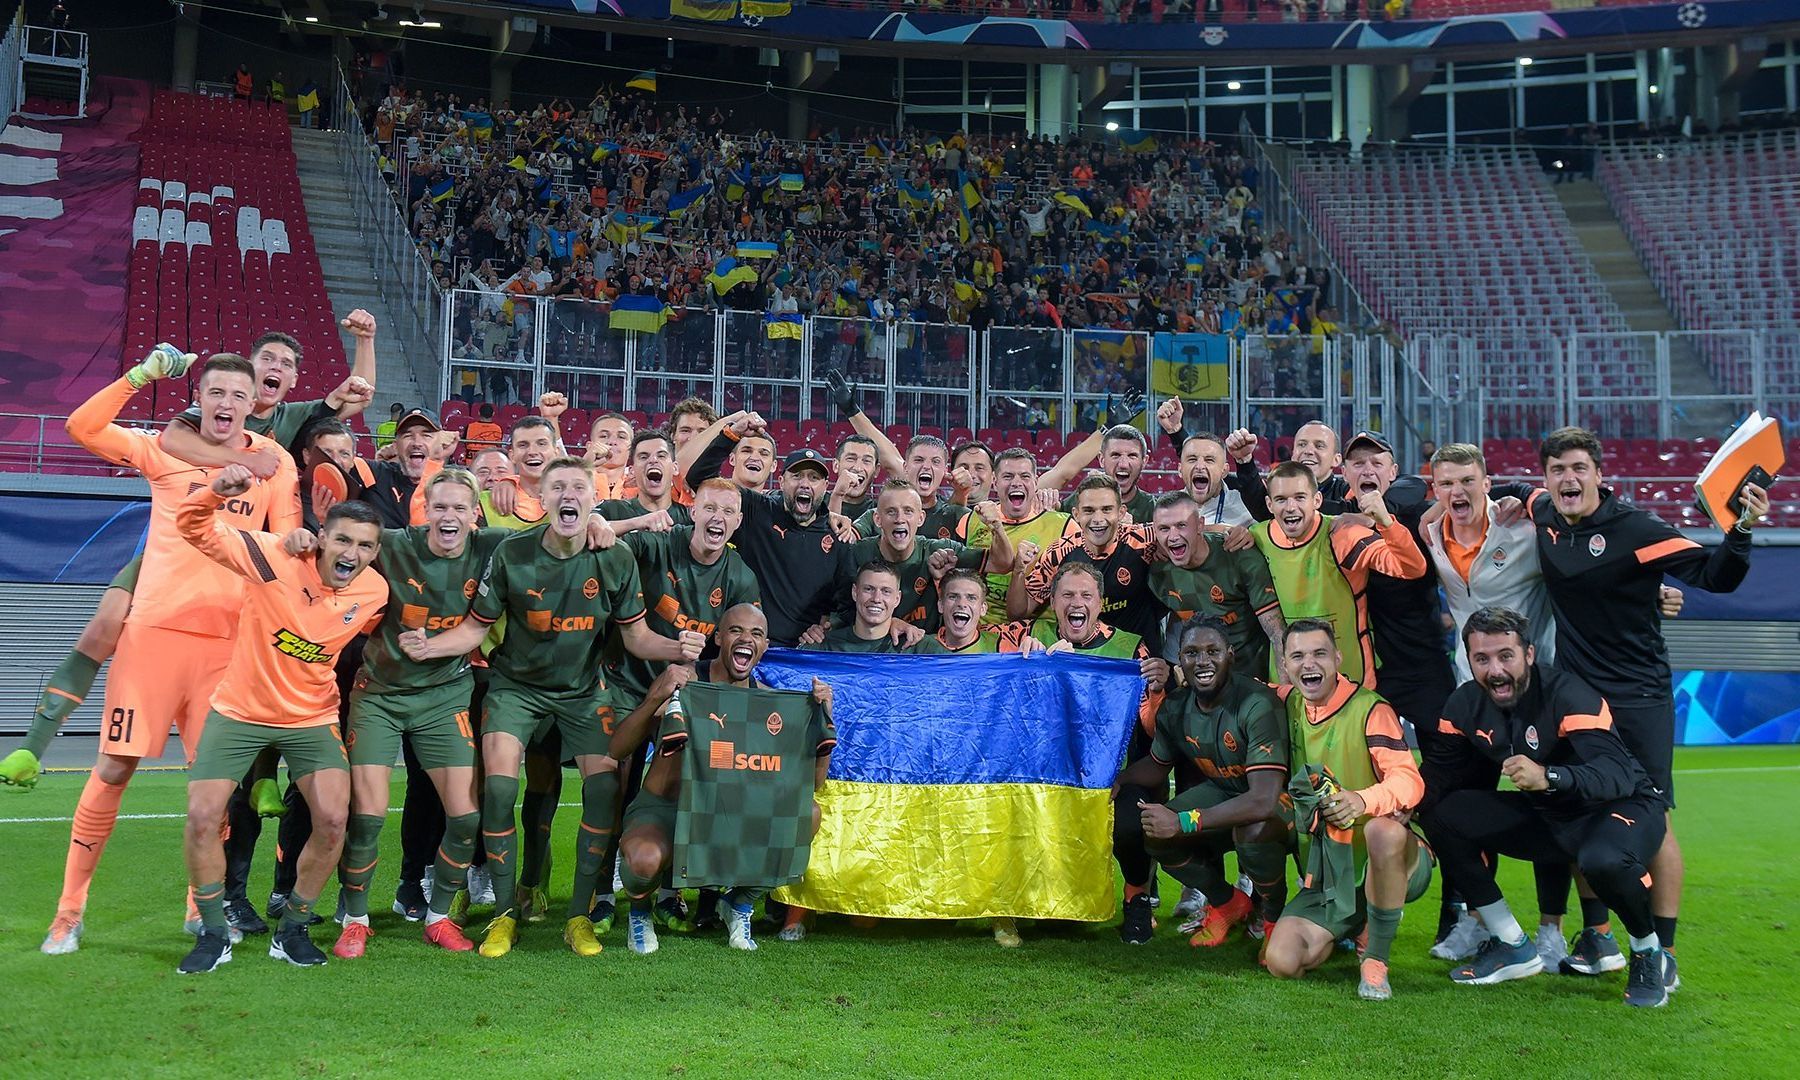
{"x": 127, "y": 576}
{"x": 227, "y": 747}
{"x": 436, "y": 719}
{"x": 585, "y": 724}
{"x": 650, "y": 809}
{"x": 1310, "y": 904}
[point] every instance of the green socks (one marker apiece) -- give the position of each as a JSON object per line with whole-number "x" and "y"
{"x": 68, "y": 685}
{"x": 299, "y": 910}
{"x": 1384, "y": 923}
{"x": 537, "y": 817}
{"x": 599, "y": 805}
{"x": 362, "y": 849}
{"x": 500, "y": 832}
{"x": 452, "y": 866}
{"x": 210, "y": 901}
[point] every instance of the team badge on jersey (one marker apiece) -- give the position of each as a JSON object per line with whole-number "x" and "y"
{"x": 350, "y": 616}
{"x": 716, "y": 597}
{"x": 1230, "y": 741}
{"x": 773, "y": 723}
{"x": 1217, "y": 594}
{"x": 1597, "y": 546}
{"x": 469, "y": 589}
{"x": 919, "y": 585}
{"x": 1531, "y": 738}
{"x": 590, "y": 588}
{"x": 1499, "y": 557}
{"x": 825, "y": 543}
{"x": 1124, "y": 575}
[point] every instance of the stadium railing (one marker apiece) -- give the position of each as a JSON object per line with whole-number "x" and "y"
{"x": 12, "y": 49}
{"x": 402, "y": 276}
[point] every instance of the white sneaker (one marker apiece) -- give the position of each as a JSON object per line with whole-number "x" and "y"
{"x": 1245, "y": 885}
{"x": 640, "y": 932}
{"x": 1192, "y": 902}
{"x": 737, "y": 925}
{"x": 1552, "y": 948}
{"x": 1006, "y": 933}
{"x": 1462, "y": 940}
{"x": 618, "y": 878}
{"x": 425, "y": 885}
{"x": 64, "y": 936}
{"x": 480, "y": 885}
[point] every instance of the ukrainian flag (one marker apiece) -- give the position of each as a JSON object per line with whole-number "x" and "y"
{"x": 768, "y": 9}
{"x": 1074, "y": 202}
{"x": 1109, "y": 231}
{"x": 308, "y": 99}
{"x": 737, "y": 182}
{"x": 971, "y": 195}
{"x": 604, "y": 150}
{"x": 1196, "y": 264}
{"x": 704, "y": 10}
{"x": 1194, "y": 367}
{"x": 644, "y": 314}
{"x": 784, "y": 327}
{"x": 965, "y": 227}
{"x": 965, "y": 289}
{"x": 623, "y": 228}
{"x": 792, "y": 182}
{"x": 1137, "y": 141}
{"x": 518, "y": 162}
{"x": 989, "y": 796}
{"x": 443, "y": 191}
{"x": 913, "y": 198}
{"x": 756, "y": 249}
{"x": 727, "y": 275}
{"x": 683, "y": 201}
{"x": 643, "y": 80}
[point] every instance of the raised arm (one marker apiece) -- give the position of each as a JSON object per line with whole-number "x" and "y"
{"x": 1069, "y": 466}
{"x": 688, "y": 458}
{"x": 91, "y": 424}
{"x": 646, "y": 644}
{"x": 197, "y": 520}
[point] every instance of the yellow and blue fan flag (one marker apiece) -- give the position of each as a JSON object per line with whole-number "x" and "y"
{"x": 1195, "y": 367}
{"x": 606, "y": 149}
{"x": 1110, "y": 230}
{"x": 443, "y": 191}
{"x": 792, "y": 182}
{"x": 1137, "y": 141}
{"x": 878, "y": 148}
{"x": 768, "y": 9}
{"x": 1195, "y": 264}
{"x": 913, "y": 198}
{"x": 965, "y": 289}
{"x": 308, "y": 98}
{"x": 644, "y": 314}
{"x": 971, "y": 195}
{"x": 518, "y": 162}
{"x": 756, "y": 249}
{"x": 786, "y": 326}
{"x": 683, "y": 201}
{"x": 737, "y": 182}
{"x": 1074, "y": 202}
{"x": 622, "y": 228}
{"x": 965, "y": 227}
{"x": 989, "y": 796}
{"x": 643, "y": 80}
{"x": 728, "y": 274}
{"x": 704, "y": 10}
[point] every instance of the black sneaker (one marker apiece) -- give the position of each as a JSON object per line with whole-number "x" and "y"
{"x": 706, "y": 912}
{"x": 242, "y": 916}
{"x": 211, "y": 949}
{"x": 295, "y": 945}
{"x": 1644, "y": 986}
{"x": 1135, "y": 928}
{"x": 409, "y": 901}
{"x": 672, "y": 911}
{"x": 1594, "y": 953}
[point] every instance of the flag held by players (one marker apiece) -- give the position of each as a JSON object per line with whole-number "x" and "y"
{"x": 988, "y": 796}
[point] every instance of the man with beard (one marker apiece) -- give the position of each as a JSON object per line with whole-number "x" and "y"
{"x": 926, "y": 465}
{"x": 562, "y": 604}
{"x": 1023, "y": 518}
{"x": 899, "y": 517}
{"x": 1207, "y": 472}
{"x": 652, "y": 505}
{"x": 1122, "y": 453}
{"x": 646, "y": 844}
{"x": 1121, "y": 553}
{"x": 1231, "y": 728}
{"x": 691, "y": 575}
{"x": 1579, "y": 796}
{"x": 1197, "y": 576}
{"x": 786, "y": 539}
{"x": 1321, "y": 569}
{"x": 1352, "y": 740}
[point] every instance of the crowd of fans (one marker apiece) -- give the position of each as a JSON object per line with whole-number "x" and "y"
{"x": 1125, "y": 232}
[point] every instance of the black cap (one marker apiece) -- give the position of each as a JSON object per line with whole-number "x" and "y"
{"x": 1367, "y": 438}
{"x": 410, "y": 415}
{"x": 806, "y": 456}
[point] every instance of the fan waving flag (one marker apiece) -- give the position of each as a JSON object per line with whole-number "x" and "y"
{"x": 683, "y": 201}
{"x": 988, "y": 796}
{"x": 756, "y": 249}
{"x": 786, "y": 326}
{"x": 643, "y": 80}
{"x": 645, "y": 314}
{"x": 443, "y": 191}
{"x": 747, "y": 770}
{"x": 308, "y": 98}
{"x": 704, "y": 10}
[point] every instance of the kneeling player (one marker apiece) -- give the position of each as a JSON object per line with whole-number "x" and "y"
{"x": 279, "y": 690}
{"x": 1353, "y": 738}
{"x": 646, "y": 845}
{"x": 1581, "y": 798}
{"x": 1232, "y": 729}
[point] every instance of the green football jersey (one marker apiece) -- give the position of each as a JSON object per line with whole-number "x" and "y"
{"x": 1245, "y": 730}
{"x": 1042, "y": 529}
{"x": 988, "y": 641}
{"x": 559, "y": 612}
{"x": 918, "y": 589}
{"x": 425, "y": 592}
{"x": 620, "y": 509}
{"x": 1235, "y": 587}
{"x": 943, "y": 520}
{"x": 679, "y": 594}
{"x": 844, "y": 639}
{"x": 284, "y": 423}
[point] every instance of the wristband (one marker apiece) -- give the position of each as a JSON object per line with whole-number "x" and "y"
{"x": 1189, "y": 820}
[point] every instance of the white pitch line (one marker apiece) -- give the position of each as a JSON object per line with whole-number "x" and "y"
{"x": 151, "y": 817}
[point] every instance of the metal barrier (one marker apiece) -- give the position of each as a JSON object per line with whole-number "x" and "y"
{"x": 12, "y": 47}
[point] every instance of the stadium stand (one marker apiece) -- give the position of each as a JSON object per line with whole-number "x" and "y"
{"x": 1169, "y": 11}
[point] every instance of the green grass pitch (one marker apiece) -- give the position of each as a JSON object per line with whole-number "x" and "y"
{"x": 905, "y": 999}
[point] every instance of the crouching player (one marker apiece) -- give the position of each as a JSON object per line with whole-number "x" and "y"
{"x": 647, "y": 843}
{"x": 279, "y": 690}
{"x": 1351, "y": 735}
{"x": 1232, "y": 729}
{"x": 1581, "y": 797}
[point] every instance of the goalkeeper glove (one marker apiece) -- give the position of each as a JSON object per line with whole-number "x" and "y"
{"x": 164, "y": 362}
{"x": 842, "y": 393}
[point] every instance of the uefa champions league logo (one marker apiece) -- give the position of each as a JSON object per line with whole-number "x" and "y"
{"x": 1691, "y": 16}
{"x": 1214, "y": 35}
{"x": 752, "y": 20}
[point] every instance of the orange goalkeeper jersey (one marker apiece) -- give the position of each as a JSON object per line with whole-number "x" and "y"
{"x": 282, "y": 667}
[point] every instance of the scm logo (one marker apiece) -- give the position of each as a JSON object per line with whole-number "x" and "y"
{"x": 564, "y": 623}
{"x": 724, "y": 755}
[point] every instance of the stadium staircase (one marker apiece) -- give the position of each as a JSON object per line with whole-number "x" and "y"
{"x": 1622, "y": 273}
{"x": 349, "y": 276}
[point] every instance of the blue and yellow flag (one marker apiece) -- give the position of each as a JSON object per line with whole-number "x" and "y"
{"x": 1110, "y": 230}
{"x": 622, "y": 228}
{"x": 643, "y": 80}
{"x": 756, "y": 249}
{"x": 737, "y": 182}
{"x": 518, "y": 162}
{"x": 989, "y": 796}
{"x": 1196, "y": 367}
{"x": 792, "y": 182}
{"x": 727, "y": 274}
{"x": 1137, "y": 141}
{"x": 644, "y": 314}
{"x": 913, "y": 198}
{"x": 1195, "y": 264}
{"x": 971, "y": 195}
{"x": 704, "y": 10}
{"x": 308, "y": 98}
{"x": 1074, "y": 202}
{"x": 767, "y": 9}
{"x": 786, "y": 326}
{"x": 443, "y": 191}
{"x": 965, "y": 289}
{"x": 683, "y": 201}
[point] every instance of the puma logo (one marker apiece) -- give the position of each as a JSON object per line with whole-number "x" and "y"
{"x": 779, "y": 531}
{"x": 1193, "y": 740}
{"x": 1265, "y": 748}
{"x": 537, "y": 593}
{"x": 1628, "y": 822}
{"x": 1486, "y": 735}
{"x": 89, "y": 847}
{"x": 416, "y": 586}
{"x": 717, "y": 719}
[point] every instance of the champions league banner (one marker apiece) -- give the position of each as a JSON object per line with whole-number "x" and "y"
{"x": 839, "y": 25}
